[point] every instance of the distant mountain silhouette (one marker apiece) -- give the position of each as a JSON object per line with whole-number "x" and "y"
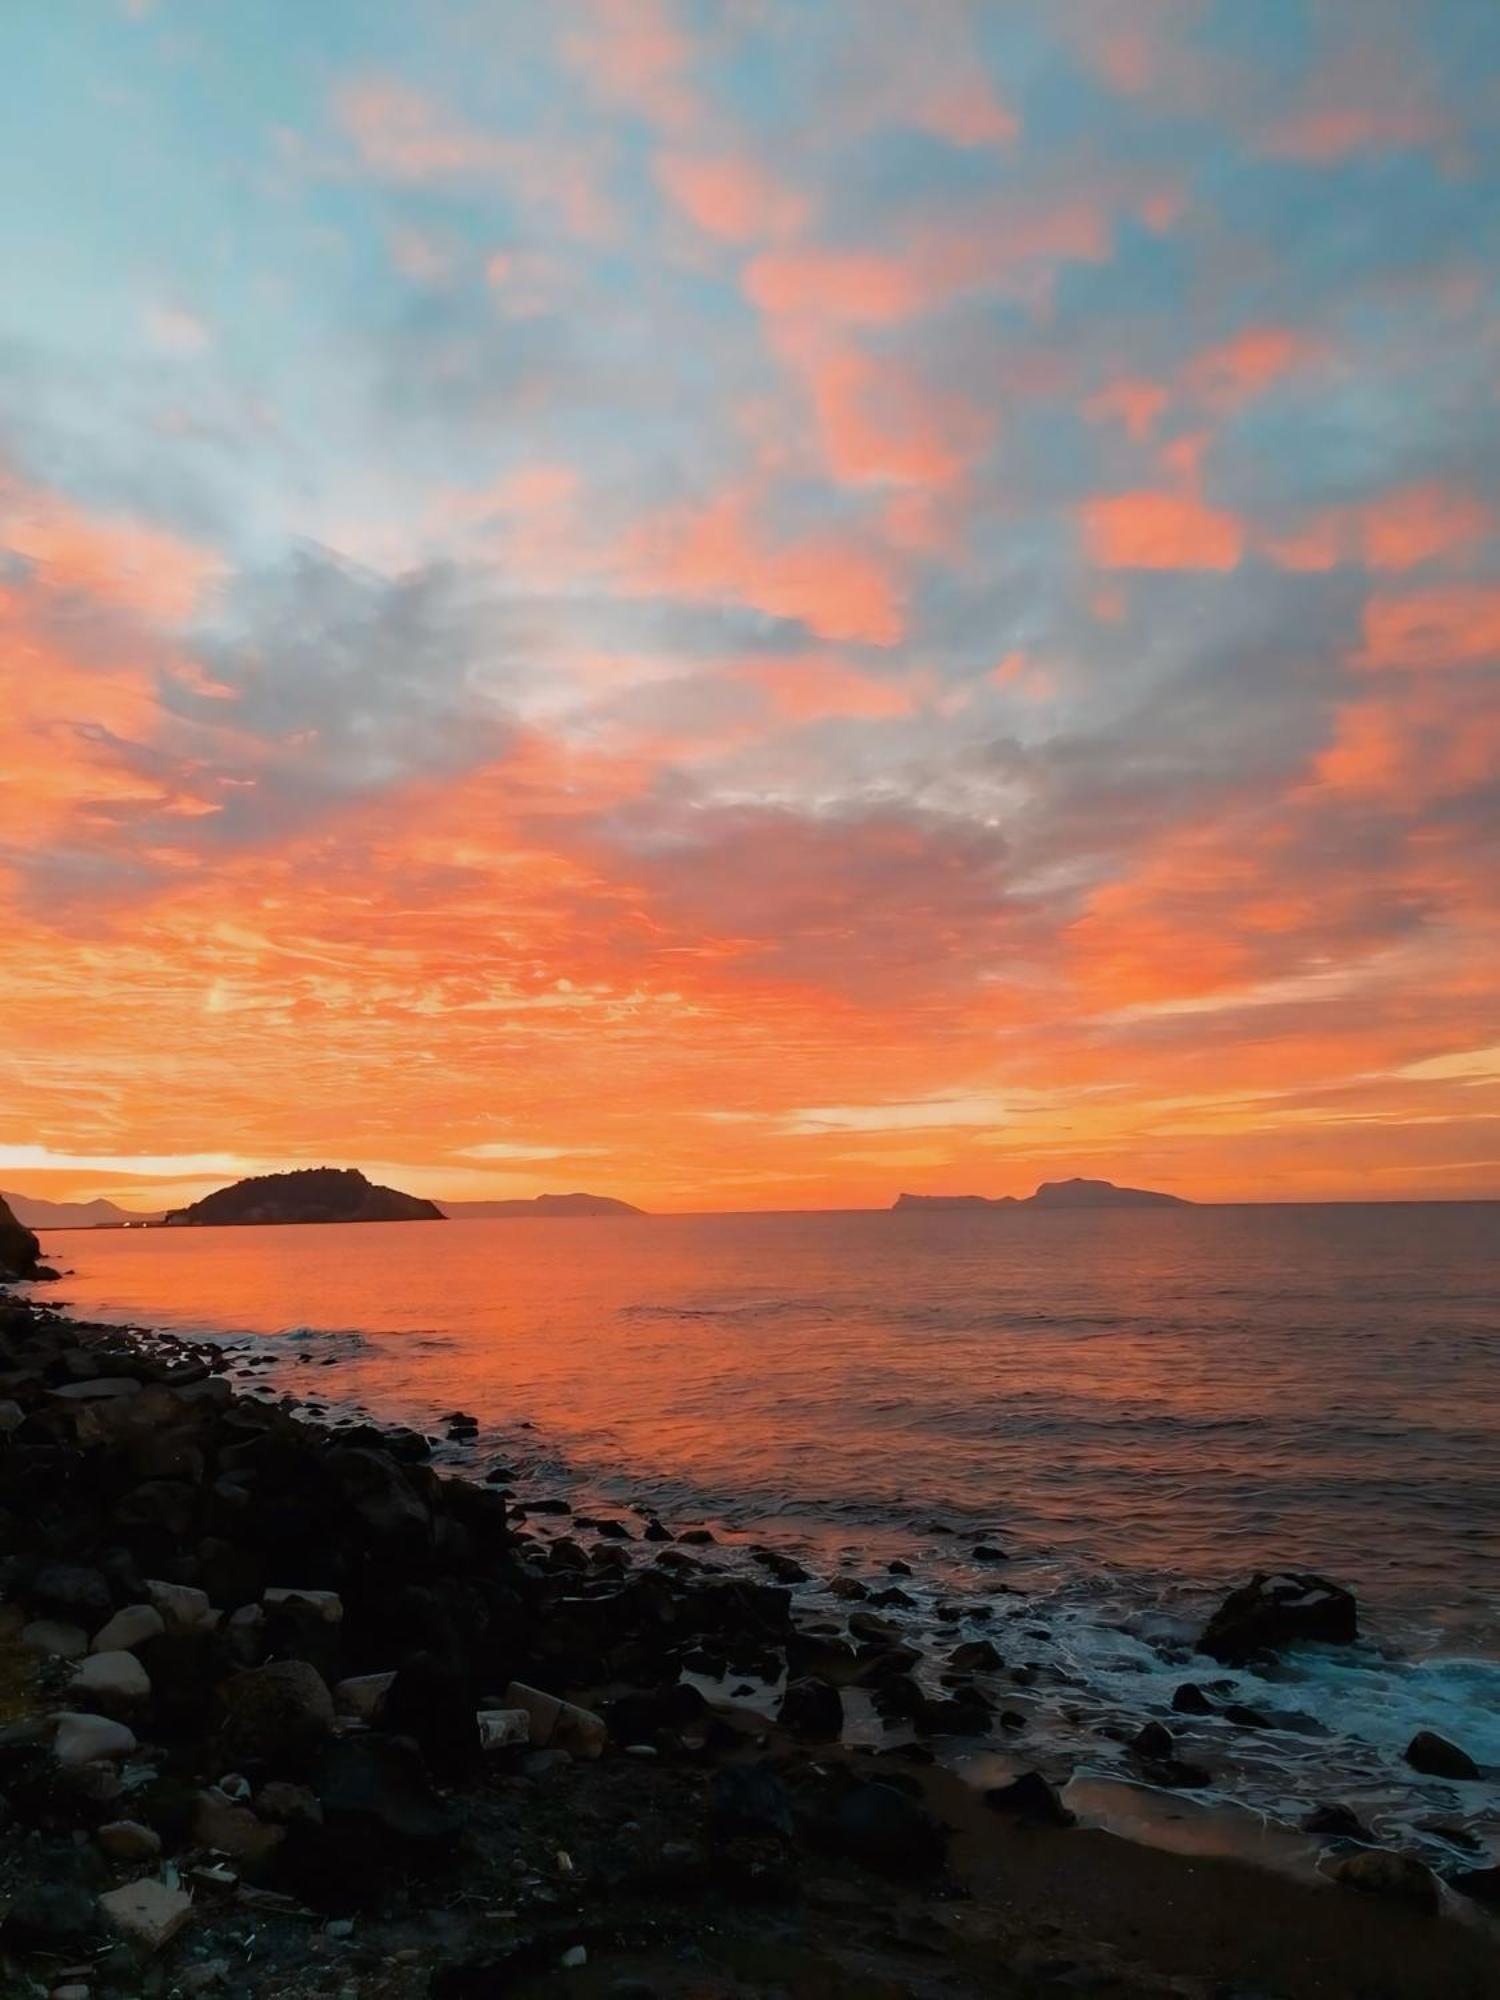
{"x": 39, "y": 1214}
{"x": 19, "y": 1249}
{"x": 312, "y": 1194}
{"x": 1052, "y": 1194}
{"x": 542, "y": 1204}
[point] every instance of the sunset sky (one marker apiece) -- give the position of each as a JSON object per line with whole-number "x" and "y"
{"x": 751, "y": 603}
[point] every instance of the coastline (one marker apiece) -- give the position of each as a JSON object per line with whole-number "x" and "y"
{"x": 833, "y": 1869}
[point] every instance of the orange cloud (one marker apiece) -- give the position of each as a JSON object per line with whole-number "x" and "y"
{"x": 1131, "y": 401}
{"x": 1400, "y": 530}
{"x": 143, "y": 570}
{"x": 1239, "y": 369}
{"x": 1152, "y": 530}
{"x": 1454, "y": 626}
{"x": 730, "y": 196}
{"x": 838, "y": 588}
{"x": 811, "y": 689}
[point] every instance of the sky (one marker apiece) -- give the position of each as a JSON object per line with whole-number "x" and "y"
{"x": 751, "y": 603}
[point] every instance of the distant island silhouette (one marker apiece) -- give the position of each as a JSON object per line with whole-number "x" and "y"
{"x": 1075, "y": 1193}
{"x": 39, "y": 1214}
{"x": 310, "y": 1194}
{"x": 541, "y": 1204}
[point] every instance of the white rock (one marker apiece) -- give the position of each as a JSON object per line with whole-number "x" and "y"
{"x": 128, "y": 1629}
{"x": 85, "y": 1739}
{"x": 179, "y": 1604}
{"x": 12, "y": 1416}
{"x": 116, "y": 1679}
{"x": 328, "y": 1605}
{"x": 52, "y": 1636}
{"x": 147, "y": 1912}
{"x": 577, "y": 1954}
{"x": 557, "y": 1722}
{"x": 128, "y": 1840}
{"x": 363, "y": 1695}
{"x": 499, "y": 1728}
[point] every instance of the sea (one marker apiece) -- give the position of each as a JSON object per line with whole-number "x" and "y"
{"x": 1138, "y": 1407}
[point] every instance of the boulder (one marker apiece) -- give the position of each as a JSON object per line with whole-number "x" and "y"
{"x": 221, "y": 1823}
{"x": 180, "y": 1604}
{"x": 812, "y": 1709}
{"x": 1031, "y": 1797}
{"x": 280, "y": 1713}
{"x": 128, "y": 1629}
{"x": 69, "y": 1591}
{"x": 363, "y": 1695}
{"x": 127, "y": 1840}
{"x": 88, "y": 1739}
{"x": 148, "y": 1913}
{"x": 1375, "y": 1871}
{"x": 1275, "y": 1610}
{"x": 111, "y": 1681}
{"x": 1190, "y": 1699}
{"x": 1435, "y": 1757}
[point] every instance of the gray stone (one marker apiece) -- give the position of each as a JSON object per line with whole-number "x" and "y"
{"x": 112, "y": 1680}
{"x": 85, "y": 1739}
{"x": 128, "y": 1629}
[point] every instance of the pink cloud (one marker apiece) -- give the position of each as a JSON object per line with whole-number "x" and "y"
{"x": 1130, "y": 401}
{"x": 1368, "y": 98}
{"x": 1399, "y": 531}
{"x": 731, "y": 196}
{"x": 811, "y": 689}
{"x": 1453, "y": 626}
{"x": 118, "y": 561}
{"x": 1154, "y": 530}
{"x": 636, "y": 55}
{"x": 1241, "y": 368}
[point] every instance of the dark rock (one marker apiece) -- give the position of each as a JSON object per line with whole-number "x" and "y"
{"x": 1284, "y": 1609}
{"x": 1396, "y": 1878}
{"x": 898, "y": 1568}
{"x": 987, "y": 1552}
{"x": 1337, "y": 1822}
{"x": 380, "y": 1814}
{"x": 976, "y": 1656}
{"x": 655, "y": 1532}
{"x": 50, "y": 1914}
{"x": 1244, "y": 1717}
{"x": 1154, "y": 1742}
{"x": 1435, "y": 1757}
{"x": 880, "y": 1827}
{"x": 20, "y": 1252}
{"x": 785, "y": 1569}
{"x": 813, "y": 1710}
{"x": 1191, "y": 1700}
{"x": 431, "y": 1701}
{"x": 1031, "y": 1797}
{"x": 280, "y": 1714}
{"x": 81, "y": 1595}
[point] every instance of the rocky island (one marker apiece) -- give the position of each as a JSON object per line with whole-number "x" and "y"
{"x": 311, "y": 1194}
{"x": 542, "y": 1204}
{"x": 20, "y": 1253}
{"x": 1074, "y": 1193}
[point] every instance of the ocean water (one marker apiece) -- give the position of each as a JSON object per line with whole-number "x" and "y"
{"x": 1140, "y": 1407}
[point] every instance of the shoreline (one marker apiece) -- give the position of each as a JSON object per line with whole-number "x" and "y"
{"x": 831, "y": 1869}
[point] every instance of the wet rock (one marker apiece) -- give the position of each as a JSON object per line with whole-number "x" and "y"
{"x": 785, "y": 1569}
{"x": 1031, "y": 1797}
{"x": 655, "y": 1532}
{"x": 882, "y": 1828}
{"x": 1435, "y": 1757}
{"x": 1482, "y": 1885}
{"x": 1191, "y": 1700}
{"x": 128, "y": 1629}
{"x": 127, "y": 1840}
{"x": 1396, "y": 1878}
{"x": 976, "y": 1656}
{"x": 279, "y": 1713}
{"x": 988, "y": 1552}
{"x": 1154, "y": 1741}
{"x": 1284, "y": 1609}
{"x": 87, "y": 1739}
{"x": 1337, "y": 1822}
{"x": 812, "y": 1709}
{"x": 963, "y": 1714}
{"x": 847, "y": 1586}
{"x": 696, "y": 1538}
{"x": 113, "y": 1682}
{"x": 148, "y": 1913}
{"x": 54, "y": 1639}
{"x": 1243, "y": 1716}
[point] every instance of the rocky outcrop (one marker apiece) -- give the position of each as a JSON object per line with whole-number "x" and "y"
{"x": 20, "y": 1253}
{"x": 311, "y": 1194}
{"x": 542, "y": 1204}
{"x": 1051, "y": 1194}
{"x": 1272, "y": 1611}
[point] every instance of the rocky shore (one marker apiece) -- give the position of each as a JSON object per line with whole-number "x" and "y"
{"x": 282, "y": 1710}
